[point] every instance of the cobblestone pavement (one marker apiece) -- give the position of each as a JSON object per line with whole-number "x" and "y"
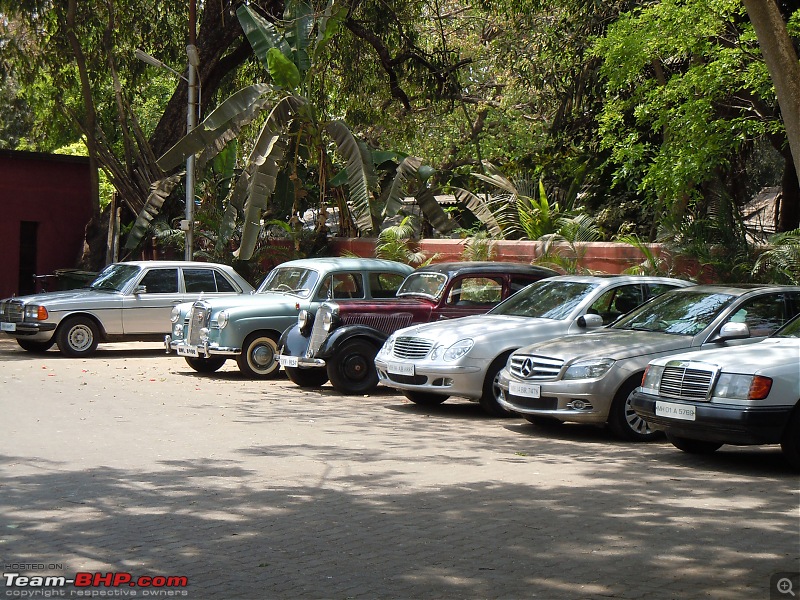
{"x": 131, "y": 462}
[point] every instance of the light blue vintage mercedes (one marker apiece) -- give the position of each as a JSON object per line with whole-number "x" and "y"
{"x": 247, "y": 327}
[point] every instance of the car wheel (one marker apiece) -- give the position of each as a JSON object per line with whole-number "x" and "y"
{"x": 693, "y": 446}
{"x": 491, "y": 390}
{"x": 306, "y": 377}
{"x": 352, "y": 369}
{"x": 425, "y": 398}
{"x": 544, "y": 422}
{"x": 205, "y": 365}
{"x": 790, "y": 442}
{"x": 77, "y": 337}
{"x": 257, "y": 359}
{"x": 35, "y": 347}
{"x": 624, "y": 421}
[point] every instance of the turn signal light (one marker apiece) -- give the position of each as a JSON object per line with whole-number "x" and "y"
{"x": 41, "y": 314}
{"x": 760, "y": 387}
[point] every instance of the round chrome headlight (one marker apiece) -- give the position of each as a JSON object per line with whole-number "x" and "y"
{"x": 303, "y": 319}
{"x": 222, "y": 319}
{"x": 175, "y": 315}
{"x": 327, "y": 321}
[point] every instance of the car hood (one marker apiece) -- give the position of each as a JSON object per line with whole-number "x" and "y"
{"x": 506, "y": 330}
{"x": 611, "y": 343}
{"x": 772, "y": 352}
{"x": 250, "y": 300}
{"x": 53, "y": 300}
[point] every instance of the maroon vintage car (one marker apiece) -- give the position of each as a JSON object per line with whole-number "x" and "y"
{"x": 340, "y": 342}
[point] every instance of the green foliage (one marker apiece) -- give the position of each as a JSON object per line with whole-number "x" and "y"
{"x": 479, "y": 247}
{"x": 656, "y": 264}
{"x": 397, "y": 243}
{"x": 780, "y": 262}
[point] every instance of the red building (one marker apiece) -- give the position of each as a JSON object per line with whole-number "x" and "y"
{"x": 45, "y": 202}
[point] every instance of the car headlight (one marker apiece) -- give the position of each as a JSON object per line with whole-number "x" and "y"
{"x": 742, "y": 387}
{"x": 35, "y": 312}
{"x": 459, "y": 349}
{"x": 222, "y": 319}
{"x": 175, "y": 315}
{"x": 328, "y": 319}
{"x": 589, "y": 369}
{"x": 652, "y": 378}
{"x": 177, "y": 331}
{"x": 303, "y": 319}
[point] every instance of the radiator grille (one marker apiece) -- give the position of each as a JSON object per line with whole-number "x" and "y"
{"x": 198, "y": 318}
{"x": 12, "y": 311}
{"x": 382, "y": 322}
{"x": 530, "y": 366}
{"x": 318, "y": 333}
{"x": 412, "y": 347}
{"x": 683, "y": 382}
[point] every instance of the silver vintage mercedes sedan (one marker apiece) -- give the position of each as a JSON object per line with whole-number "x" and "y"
{"x": 128, "y": 301}
{"x": 462, "y": 357}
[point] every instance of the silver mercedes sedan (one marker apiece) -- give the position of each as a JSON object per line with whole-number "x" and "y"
{"x": 462, "y": 357}
{"x": 128, "y": 301}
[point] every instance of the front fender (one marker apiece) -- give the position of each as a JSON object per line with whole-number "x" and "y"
{"x": 293, "y": 342}
{"x": 344, "y": 334}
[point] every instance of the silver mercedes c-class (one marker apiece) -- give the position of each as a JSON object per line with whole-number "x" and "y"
{"x": 462, "y": 357}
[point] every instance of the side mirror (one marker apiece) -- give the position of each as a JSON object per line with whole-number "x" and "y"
{"x": 139, "y": 289}
{"x": 589, "y": 321}
{"x": 733, "y": 331}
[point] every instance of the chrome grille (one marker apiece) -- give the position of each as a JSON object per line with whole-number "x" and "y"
{"x": 412, "y": 347}
{"x": 683, "y": 382}
{"x": 12, "y": 311}
{"x": 198, "y": 318}
{"x": 530, "y": 366}
{"x": 384, "y": 323}
{"x": 318, "y": 333}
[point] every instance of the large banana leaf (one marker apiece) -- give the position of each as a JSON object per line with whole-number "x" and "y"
{"x": 494, "y": 177}
{"x": 360, "y": 174}
{"x": 261, "y": 34}
{"x": 426, "y": 199}
{"x": 299, "y": 16}
{"x": 406, "y": 170}
{"x": 480, "y": 209}
{"x": 159, "y": 191}
{"x": 218, "y": 128}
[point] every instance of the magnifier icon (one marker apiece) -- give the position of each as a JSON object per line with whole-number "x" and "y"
{"x": 784, "y": 586}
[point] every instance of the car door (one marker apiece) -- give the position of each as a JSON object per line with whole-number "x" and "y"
{"x": 471, "y": 295}
{"x": 146, "y": 308}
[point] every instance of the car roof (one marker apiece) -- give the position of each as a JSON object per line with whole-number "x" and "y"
{"x": 172, "y": 263}
{"x": 462, "y": 267}
{"x": 354, "y": 263}
{"x": 613, "y": 279}
{"x": 736, "y": 289}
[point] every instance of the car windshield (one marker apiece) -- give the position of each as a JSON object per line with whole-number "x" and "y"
{"x": 425, "y": 284}
{"x": 790, "y": 330}
{"x": 686, "y": 313}
{"x": 114, "y": 278}
{"x": 290, "y": 280}
{"x": 546, "y": 300}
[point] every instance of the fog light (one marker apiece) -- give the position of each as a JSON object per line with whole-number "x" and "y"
{"x": 578, "y": 404}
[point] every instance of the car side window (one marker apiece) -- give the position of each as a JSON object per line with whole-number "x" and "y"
{"x": 223, "y": 285}
{"x": 762, "y": 315}
{"x": 385, "y": 285}
{"x": 475, "y": 291}
{"x": 160, "y": 281}
{"x": 616, "y": 302}
{"x": 347, "y": 285}
{"x": 199, "y": 280}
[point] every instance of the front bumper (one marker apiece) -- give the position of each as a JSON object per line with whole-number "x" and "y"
{"x": 454, "y": 380}
{"x": 724, "y": 423}
{"x": 36, "y": 331}
{"x": 579, "y": 401}
{"x": 181, "y": 348}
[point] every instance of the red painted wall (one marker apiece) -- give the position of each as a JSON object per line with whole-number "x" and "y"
{"x": 53, "y": 191}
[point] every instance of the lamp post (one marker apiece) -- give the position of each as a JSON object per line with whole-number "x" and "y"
{"x": 187, "y": 225}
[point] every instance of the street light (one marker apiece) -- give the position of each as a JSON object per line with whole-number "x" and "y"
{"x": 187, "y": 225}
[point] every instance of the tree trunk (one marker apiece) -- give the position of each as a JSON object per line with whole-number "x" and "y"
{"x": 784, "y": 68}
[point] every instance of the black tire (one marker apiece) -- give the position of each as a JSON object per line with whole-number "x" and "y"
{"x": 425, "y": 398}
{"x": 77, "y": 337}
{"x": 205, "y": 365}
{"x": 352, "y": 369}
{"x": 491, "y": 390}
{"x": 691, "y": 446}
{"x": 790, "y": 442}
{"x": 306, "y": 377}
{"x": 259, "y": 354}
{"x": 35, "y": 347}
{"x": 544, "y": 422}
{"x": 624, "y": 421}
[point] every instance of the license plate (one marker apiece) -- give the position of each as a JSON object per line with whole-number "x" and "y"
{"x": 288, "y": 361}
{"x": 683, "y": 412}
{"x": 187, "y": 351}
{"x": 526, "y": 390}
{"x": 8, "y": 326}
{"x": 396, "y": 368}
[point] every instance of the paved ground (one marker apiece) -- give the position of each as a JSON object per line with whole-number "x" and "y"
{"x": 131, "y": 462}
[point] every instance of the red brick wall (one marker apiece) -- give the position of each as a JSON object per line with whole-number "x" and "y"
{"x": 53, "y": 191}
